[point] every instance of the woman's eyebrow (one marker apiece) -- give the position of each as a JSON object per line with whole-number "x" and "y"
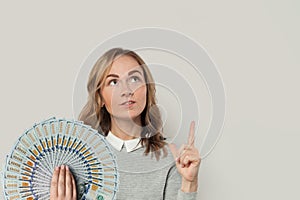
{"x": 134, "y": 71}
{"x": 112, "y": 75}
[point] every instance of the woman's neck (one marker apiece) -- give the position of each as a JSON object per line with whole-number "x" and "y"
{"x": 126, "y": 129}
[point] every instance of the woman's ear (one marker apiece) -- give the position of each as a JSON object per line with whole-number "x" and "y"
{"x": 101, "y": 99}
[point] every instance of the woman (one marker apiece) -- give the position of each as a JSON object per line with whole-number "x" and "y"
{"x": 122, "y": 106}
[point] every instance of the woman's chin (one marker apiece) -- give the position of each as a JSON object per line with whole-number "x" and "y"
{"x": 128, "y": 116}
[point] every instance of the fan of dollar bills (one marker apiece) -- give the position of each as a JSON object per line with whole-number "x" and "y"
{"x": 55, "y": 142}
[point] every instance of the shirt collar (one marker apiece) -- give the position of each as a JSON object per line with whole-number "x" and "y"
{"x": 118, "y": 143}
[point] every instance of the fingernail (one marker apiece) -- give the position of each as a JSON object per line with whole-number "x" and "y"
{"x": 67, "y": 167}
{"x": 56, "y": 168}
{"x": 62, "y": 167}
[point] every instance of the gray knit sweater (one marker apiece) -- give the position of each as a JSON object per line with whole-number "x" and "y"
{"x": 143, "y": 177}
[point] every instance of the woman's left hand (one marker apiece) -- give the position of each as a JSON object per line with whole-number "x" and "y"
{"x": 187, "y": 159}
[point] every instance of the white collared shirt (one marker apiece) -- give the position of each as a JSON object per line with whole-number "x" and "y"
{"x": 118, "y": 143}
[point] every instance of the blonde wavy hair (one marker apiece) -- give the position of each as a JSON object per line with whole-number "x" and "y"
{"x": 99, "y": 118}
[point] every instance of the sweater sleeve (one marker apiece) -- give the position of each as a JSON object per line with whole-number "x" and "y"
{"x": 173, "y": 185}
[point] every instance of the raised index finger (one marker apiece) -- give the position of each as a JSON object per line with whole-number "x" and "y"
{"x": 191, "y": 139}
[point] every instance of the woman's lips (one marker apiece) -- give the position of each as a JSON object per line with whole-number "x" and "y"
{"x": 127, "y": 103}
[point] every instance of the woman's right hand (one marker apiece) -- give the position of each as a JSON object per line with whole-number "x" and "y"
{"x": 63, "y": 185}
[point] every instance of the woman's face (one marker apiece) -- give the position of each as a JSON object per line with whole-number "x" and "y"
{"x": 124, "y": 91}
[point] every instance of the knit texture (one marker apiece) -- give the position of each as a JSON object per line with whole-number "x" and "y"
{"x": 143, "y": 177}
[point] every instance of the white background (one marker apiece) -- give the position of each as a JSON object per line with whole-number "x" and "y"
{"x": 255, "y": 45}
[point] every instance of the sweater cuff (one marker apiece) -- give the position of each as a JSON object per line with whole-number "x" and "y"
{"x": 186, "y": 195}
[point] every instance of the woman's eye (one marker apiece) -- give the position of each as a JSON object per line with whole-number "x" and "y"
{"x": 112, "y": 82}
{"x": 134, "y": 79}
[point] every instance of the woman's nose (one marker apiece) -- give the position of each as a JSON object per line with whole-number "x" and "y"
{"x": 126, "y": 90}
